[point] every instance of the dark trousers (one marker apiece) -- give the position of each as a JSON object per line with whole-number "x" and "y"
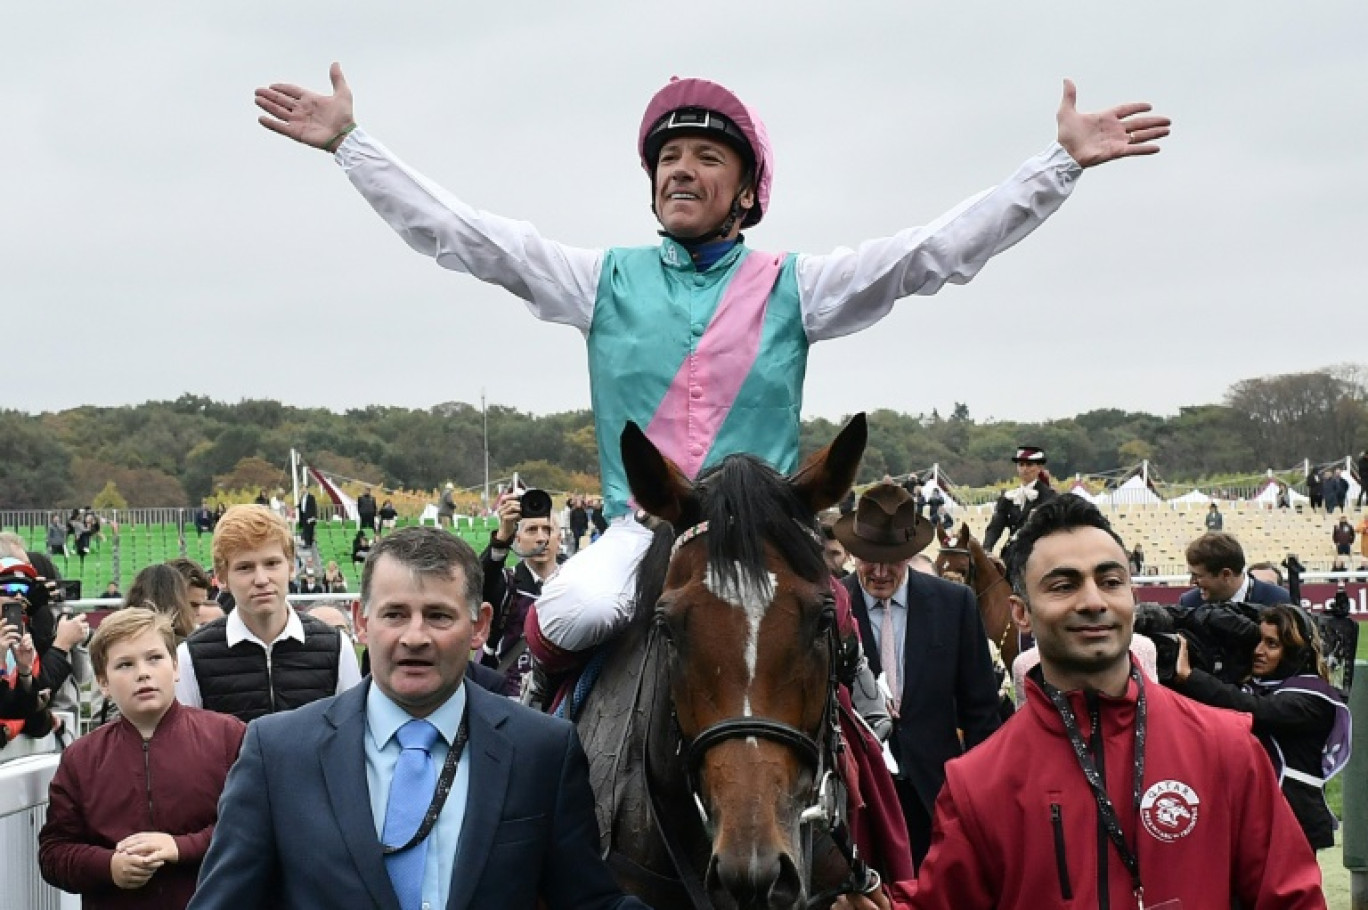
{"x": 916, "y": 816}
{"x": 308, "y": 533}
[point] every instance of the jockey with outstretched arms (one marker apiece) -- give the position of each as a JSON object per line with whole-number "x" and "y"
{"x": 700, "y": 339}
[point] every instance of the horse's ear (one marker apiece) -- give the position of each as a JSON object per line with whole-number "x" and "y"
{"x": 964, "y": 535}
{"x": 657, "y": 484}
{"x": 829, "y": 474}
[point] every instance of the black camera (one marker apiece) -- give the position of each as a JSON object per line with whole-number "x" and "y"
{"x": 14, "y": 615}
{"x": 535, "y": 504}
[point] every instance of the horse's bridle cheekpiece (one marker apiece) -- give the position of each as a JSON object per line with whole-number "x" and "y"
{"x": 885, "y": 526}
{"x": 821, "y": 752}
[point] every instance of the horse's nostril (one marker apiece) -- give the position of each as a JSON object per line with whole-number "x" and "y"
{"x": 787, "y": 890}
{"x": 765, "y": 881}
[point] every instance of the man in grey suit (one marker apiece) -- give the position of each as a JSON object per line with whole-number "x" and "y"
{"x": 1216, "y": 562}
{"x": 411, "y": 790}
{"x": 936, "y": 663}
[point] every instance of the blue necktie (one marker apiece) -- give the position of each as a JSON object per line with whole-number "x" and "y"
{"x": 410, "y": 794}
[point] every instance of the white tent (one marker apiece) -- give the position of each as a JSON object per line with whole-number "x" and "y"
{"x": 1082, "y": 492}
{"x": 950, "y": 507}
{"x": 1133, "y": 492}
{"x": 1193, "y": 495}
{"x": 1268, "y": 496}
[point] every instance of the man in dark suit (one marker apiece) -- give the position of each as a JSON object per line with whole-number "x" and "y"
{"x": 925, "y": 640}
{"x": 1216, "y": 562}
{"x": 308, "y": 517}
{"x": 365, "y": 511}
{"x": 413, "y": 789}
{"x": 1015, "y": 506}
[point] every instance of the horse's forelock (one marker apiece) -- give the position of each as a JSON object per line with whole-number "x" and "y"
{"x": 748, "y": 504}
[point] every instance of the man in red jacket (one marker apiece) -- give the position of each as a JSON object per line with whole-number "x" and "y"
{"x": 1104, "y": 791}
{"x": 133, "y": 805}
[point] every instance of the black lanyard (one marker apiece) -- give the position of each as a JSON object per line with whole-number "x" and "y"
{"x": 1105, "y": 810}
{"x": 443, "y": 788}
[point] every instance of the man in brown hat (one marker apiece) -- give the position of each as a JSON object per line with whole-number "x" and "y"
{"x": 924, "y": 637}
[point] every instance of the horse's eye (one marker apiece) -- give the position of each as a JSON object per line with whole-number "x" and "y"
{"x": 826, "y": 619}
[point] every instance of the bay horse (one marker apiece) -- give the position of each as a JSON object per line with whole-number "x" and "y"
{"x": 987, "y": 576}
{"x": 711, "y": 730}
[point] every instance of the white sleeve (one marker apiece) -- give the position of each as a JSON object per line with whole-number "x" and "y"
{"x": 348, "y": 668}
{"x": 849, "y": 290}
{"x": 558, "y": 282}
{"x": 187, "y": 686}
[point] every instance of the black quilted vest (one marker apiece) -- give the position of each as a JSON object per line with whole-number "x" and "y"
{"x": 247, "y": 683}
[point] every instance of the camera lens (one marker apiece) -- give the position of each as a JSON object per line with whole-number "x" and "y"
{"x": 536, "y": 504}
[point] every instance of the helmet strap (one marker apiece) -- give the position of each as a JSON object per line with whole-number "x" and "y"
{"x": 734, "y": 214}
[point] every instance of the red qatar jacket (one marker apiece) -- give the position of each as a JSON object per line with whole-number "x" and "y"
{"x": 111, "y": 784}
{"x": 1016, "y": 823}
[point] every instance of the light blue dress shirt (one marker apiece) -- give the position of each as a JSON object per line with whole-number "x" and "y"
{"x": 383, "y": 720}
{"x": 898, "y": 603}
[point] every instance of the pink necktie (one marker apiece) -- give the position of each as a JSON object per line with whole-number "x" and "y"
{"x": 888, "y": 653}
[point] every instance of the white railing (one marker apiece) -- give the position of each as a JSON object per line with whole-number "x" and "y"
{"x": 26, "y": 769}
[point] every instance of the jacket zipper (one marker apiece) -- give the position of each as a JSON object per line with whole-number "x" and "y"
{"x": 147, "y": 781}
{"x": 1061, "y": 862}
{"x": 270, "y": 680}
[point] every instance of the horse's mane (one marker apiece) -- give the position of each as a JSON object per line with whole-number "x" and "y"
{"x": 748, "y": 504}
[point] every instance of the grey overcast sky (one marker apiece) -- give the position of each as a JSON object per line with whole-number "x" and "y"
{"x": 154, "y": 240}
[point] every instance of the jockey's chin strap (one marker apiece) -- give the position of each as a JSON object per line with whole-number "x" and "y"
{"x": 828, "y": 798}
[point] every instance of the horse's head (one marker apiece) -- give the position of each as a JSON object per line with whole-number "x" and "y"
{"x": 746, "y": 612}
{"x": 955, "y": 554}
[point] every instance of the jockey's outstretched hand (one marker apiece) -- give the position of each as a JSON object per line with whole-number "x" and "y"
{"x": 320, "y": 121}
{"x": 1117, "y": 132}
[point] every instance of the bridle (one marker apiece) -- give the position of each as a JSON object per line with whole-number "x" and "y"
{"x": 821, "y": 752}
{"x": 971, "y": 579}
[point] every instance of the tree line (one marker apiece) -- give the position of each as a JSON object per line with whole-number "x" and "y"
{"x": 177, "y": 453}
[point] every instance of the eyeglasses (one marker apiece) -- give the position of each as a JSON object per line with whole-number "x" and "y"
{"x": 14, "y": 589}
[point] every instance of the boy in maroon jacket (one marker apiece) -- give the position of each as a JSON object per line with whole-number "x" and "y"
{"x": 133, "y": 804}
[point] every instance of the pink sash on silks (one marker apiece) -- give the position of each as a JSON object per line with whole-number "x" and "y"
{"x": 714, "y": 372}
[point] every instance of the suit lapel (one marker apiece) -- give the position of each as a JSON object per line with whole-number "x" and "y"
{"x": 920, "y": 634}
{"x": 491, "y": 762}
{"x": 349, "y": 793}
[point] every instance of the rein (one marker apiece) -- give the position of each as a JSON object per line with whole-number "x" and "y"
{"x": 971, "y": 576}
{"x": 820, "y": 752}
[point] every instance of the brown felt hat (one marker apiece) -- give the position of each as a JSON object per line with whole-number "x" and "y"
{"x": 885, "y": 526}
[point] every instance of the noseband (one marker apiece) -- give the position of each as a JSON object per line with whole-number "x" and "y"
{"x": 805, "y": 745}
{"x": 820, "y": 753}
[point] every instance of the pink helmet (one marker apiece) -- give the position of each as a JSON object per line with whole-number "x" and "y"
{"x": 689, "y": 105}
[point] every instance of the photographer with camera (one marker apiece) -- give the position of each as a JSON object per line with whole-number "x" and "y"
{"x": 1301, "y": 720}
{"x": 23, "y": 700}
{"x": 529, "y": 530}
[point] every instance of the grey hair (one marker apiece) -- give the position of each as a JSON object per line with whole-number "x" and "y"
{"x": 12, "y": 545}
{"x": 428, "y": 552}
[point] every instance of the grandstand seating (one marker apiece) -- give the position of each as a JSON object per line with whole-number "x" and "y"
{"x": 1164, "y": 530}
